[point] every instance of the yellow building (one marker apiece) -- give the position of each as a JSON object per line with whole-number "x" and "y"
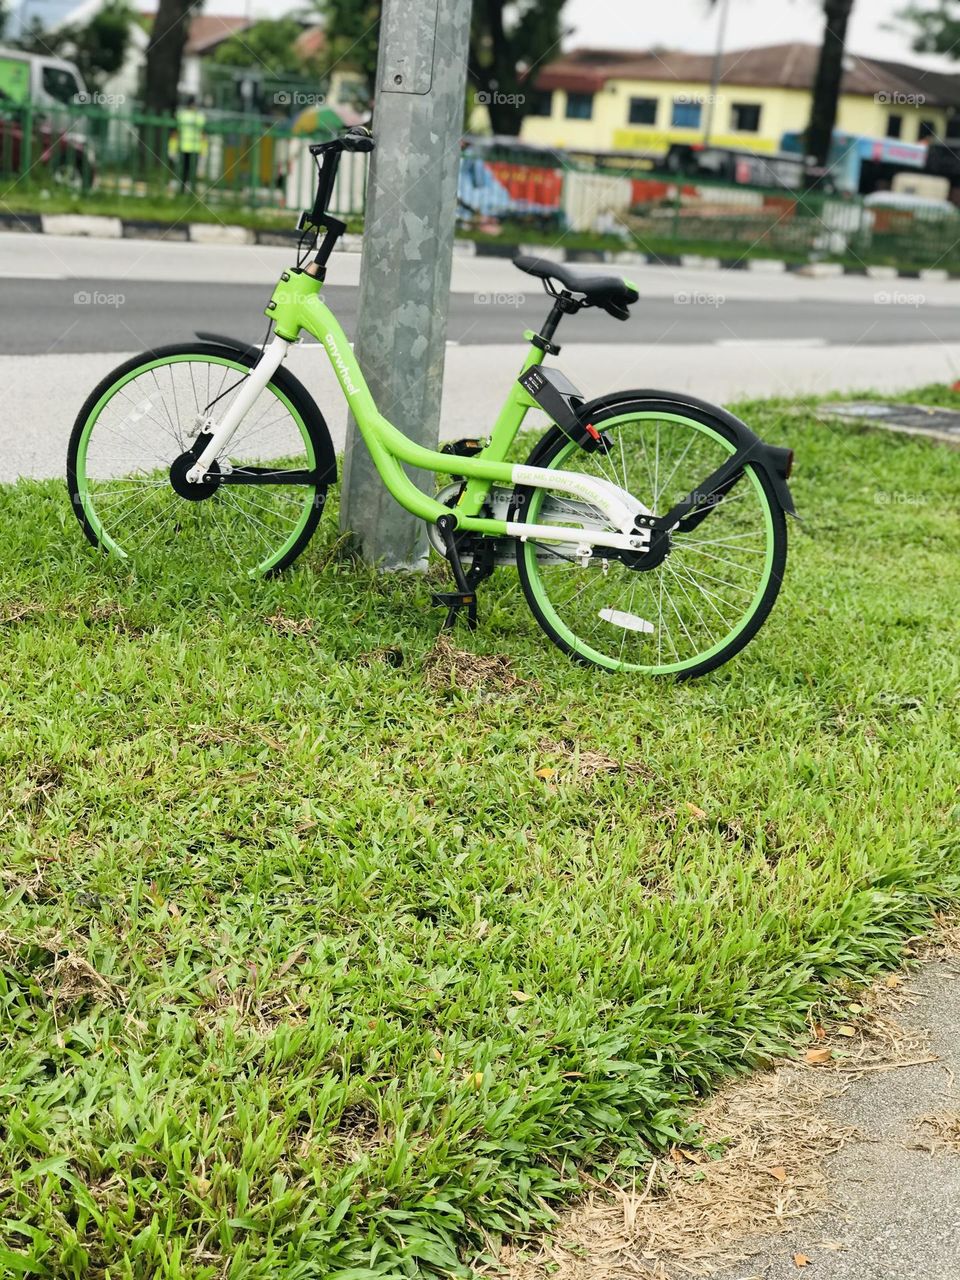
{"x": 618, "y": 100}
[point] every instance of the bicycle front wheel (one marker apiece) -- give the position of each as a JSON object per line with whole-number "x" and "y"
{"x": 138, "y": 434}
{"x": 700, "y": 594}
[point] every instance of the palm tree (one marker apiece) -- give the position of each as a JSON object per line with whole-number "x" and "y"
{"x": 165, "y": 55}
{"x": 717, "y": 65}
{"x": 826, "y": 86}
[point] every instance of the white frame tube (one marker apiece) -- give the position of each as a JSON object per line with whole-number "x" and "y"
{"x": 268, "y": 364}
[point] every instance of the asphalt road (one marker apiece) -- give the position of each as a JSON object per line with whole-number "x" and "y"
{"x": 896, "y": 1193}
{"x": 71, "y": 309}
{"x": 87, "y": 314}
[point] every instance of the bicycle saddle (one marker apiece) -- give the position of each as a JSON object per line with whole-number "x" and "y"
{"x": 600, "y": 289}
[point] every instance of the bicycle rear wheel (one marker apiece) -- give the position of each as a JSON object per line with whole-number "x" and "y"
{"x": 138, "y": 433}
{"x": 700, "y": 595}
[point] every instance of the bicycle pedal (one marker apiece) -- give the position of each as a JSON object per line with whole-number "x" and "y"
{"x": 454, "y": 599}
{"x": 464, "y": 448}
{"x": 453, "y": 602}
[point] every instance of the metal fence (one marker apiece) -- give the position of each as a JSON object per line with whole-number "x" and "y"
{"x": 261, "y": 164}
{"x": 661, "y": 213}
{"x": 244, "y": 160}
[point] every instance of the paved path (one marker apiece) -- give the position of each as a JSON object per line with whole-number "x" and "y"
{"x": 65, "y": 294}
{"x": 88, "y": 313}
{"x": 54, "y": 350}
{"x": 41, "y": 395}
{"x": 898, "y": 1201}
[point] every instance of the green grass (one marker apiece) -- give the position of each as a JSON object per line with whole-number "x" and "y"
{"x": 900, "y": 251}
{"x": 304, "y": 970}
{"x": 159, "y": 207}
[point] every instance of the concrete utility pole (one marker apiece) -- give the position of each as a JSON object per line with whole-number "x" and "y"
{"x": 407, "y": 255}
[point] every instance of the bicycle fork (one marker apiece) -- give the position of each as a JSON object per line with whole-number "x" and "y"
{"x": 256, "y": 381}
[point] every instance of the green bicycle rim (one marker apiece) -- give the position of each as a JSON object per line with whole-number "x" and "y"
{"x": 83, "y": 492}
{"x": 587, "y": 651}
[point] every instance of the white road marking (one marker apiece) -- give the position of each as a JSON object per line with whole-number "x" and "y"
{"x": 770, "y": 342}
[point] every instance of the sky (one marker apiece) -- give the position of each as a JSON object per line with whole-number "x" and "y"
{"x": 690, "y": 25}
{"x": 638, "y": 24}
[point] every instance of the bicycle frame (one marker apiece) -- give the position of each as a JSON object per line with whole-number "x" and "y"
{"x": 296, "y": 306}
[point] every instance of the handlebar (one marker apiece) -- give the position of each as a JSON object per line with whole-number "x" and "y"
{"x": 327, "y": 156}
{"x": 357, "y": 138}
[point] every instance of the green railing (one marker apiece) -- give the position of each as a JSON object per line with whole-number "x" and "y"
{"x": 246, "y": 161}
{"x": 731, "y": 221}
{"x": 253, "y": 163}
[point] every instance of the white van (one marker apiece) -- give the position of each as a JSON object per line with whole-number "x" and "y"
{"x": 39, "y": 80}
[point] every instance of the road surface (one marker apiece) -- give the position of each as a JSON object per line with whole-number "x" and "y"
{"x": 74, "y": 308}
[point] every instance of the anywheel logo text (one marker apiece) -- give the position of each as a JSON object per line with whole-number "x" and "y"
{"x": 341, "y": 366}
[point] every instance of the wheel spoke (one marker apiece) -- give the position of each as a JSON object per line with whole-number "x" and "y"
{"x": 124, "y": 458}
{"x": 700, "y": 586}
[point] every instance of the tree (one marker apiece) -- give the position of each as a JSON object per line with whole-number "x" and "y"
{"x": 101, "y": 46}
{"x": 165, "y": 55}
{"x": 98, "y": 47}
{"x": 937, "y": 30}
{"x": 509, "y": 40}
{"x": 352, "y": 30}
{"x": 826, "y": 85}
{"x": 267, "y": 45}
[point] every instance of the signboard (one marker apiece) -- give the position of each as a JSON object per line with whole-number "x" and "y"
{"x": 661, "y": 140}
{"x": 14, "y": 80}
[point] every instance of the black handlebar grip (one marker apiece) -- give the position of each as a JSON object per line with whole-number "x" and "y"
{"x": 357, "y": 138}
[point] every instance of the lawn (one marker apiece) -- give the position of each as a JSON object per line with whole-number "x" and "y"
{"x": 316, "y": 961}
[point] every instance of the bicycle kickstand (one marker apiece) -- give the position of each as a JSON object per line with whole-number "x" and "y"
{"x": 465, "y": 596}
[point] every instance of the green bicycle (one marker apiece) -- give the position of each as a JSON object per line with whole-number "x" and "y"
{"x": 648, "y": 529}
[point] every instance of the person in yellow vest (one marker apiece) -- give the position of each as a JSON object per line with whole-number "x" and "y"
{"x": 190, "y": 141}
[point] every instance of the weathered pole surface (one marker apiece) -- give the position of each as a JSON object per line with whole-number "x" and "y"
{"x": 407, "y": 255}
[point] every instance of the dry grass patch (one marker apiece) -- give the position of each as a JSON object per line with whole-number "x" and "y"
{"x": 760, "y": 1163}
{"x": 446, "y": 666}
{"x": 760, "y": 1169}
{"x": 75, "y": 979}
{"x": 940, "y": 1130}
{"x": 587, "y": 764}
{"x": 284, "y": 626}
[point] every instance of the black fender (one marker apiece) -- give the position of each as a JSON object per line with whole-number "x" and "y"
{"x": 326, "y": 455}
{"x": 771, "y": 459}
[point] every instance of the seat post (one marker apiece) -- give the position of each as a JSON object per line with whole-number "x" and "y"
{"x": 563, "y": 305}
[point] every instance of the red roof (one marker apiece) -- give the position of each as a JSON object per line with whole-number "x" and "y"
{"x": 206, "y": 31}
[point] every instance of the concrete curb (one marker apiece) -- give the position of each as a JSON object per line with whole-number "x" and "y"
{"x": 74, "y": 224}
{"x": 27, "y": 222}
{"x": 81, "y": 224}
{"x": 142, "y": 229}
{"x": 216, "y": 233}
{"x": 820, "y": 270}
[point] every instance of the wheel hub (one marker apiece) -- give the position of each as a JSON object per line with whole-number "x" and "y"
{"x": 202, "y": 489}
